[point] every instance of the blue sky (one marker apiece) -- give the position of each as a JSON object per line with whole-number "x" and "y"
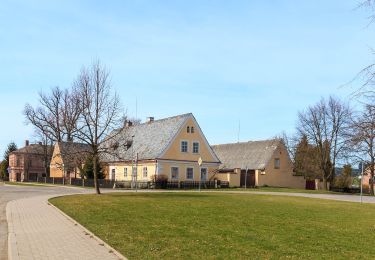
{"x": 259, "y": 62}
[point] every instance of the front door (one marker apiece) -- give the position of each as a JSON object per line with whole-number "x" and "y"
{"x": 203, "y": 174}
{"x": 248, "y": 179}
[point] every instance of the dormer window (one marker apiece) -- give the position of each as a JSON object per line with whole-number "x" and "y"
{"x": 188, "y": 129}
{"x": 192, "y": 130}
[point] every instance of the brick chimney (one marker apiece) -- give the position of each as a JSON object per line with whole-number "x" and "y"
{"x": 27, "y": 142}
{"x": 128, "y": 123}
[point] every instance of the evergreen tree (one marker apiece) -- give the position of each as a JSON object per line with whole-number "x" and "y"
{"x": 5, "y": 164}
{"x": 88, "y": 169}
{"x": 345, "y": 179}
{"x": 305, "y": 160}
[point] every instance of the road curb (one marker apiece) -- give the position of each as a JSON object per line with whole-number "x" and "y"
{"x": 92, "y": 235}
{"x": 12, "y": 241}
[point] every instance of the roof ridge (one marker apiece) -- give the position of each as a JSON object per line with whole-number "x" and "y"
{"x": 163, "y": 119}
{"x": 246, "y": 142}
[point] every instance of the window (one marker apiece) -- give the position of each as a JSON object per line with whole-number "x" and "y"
{"x": 188, "y": 129}
{"x": 192, "y": 130}
{"x": 113, "y": 175}
{"x": 189, "y": 173}
{"x": 184, "y": 146}
{"x": 203, "y": 174}
{"x": 195, "y": 147}
{"x": 144, "y": 172}
{"x": 174, "y": 173}
{"x": 277, "y": 163}
{"x": 125, "y": 172}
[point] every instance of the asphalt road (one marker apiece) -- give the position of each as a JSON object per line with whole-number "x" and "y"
{"x": 12, "y": 192}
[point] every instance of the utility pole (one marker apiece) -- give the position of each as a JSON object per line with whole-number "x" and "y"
{"x": 361, "y": 180}
{"x": 136, "y": 174}
{"x": 133, "y": 177}
{"x": 239, "y": 130}
{"x": 246, "y": 177}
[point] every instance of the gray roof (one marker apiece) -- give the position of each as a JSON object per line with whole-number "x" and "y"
{"x": 150, "y": 139}
{"x": 254, "y": 155}
{"x": 72, "y": 153}
{"x": 33, "y": 149}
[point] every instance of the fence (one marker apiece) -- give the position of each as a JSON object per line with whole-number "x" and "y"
{"x": 131, "y": 185}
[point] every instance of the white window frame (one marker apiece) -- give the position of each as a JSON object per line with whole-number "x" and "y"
{"x": 178, "y": 173}
{"x": 192, "y": 168}
{"x": 187, "y": 146}
{"x": 145, "y": 170}
{"x": 125, "y": 172}
{"x": 192, "y": 130}
{"x": 203, "y": 168}
{"x": 199, "y": 147}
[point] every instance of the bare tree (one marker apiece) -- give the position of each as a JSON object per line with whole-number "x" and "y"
{"x": 325, "y": 125}
{"x": 70, "y": 113}
{"x": 366, "y": 92}
{"x": 47, "y": 145}
{"x": 56, "y": 116}
{"x": 100, "y": 111}
{"x": 47, "y": 116}
{"x": 290, "y": 142}
{"x": 363, "y": 139}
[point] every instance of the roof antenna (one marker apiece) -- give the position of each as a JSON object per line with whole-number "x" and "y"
{"x": 136, "y": 108}
{"x": 239, "y": 129}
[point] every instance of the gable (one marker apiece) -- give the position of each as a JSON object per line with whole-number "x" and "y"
{"x": 173, "y": 150}
{"x": 56, "y": 156}
{"x": 280, "y": 153}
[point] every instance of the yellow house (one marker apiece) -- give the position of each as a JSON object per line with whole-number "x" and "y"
{"x": 68, "y": 159}
{"x": 168, "y": 148}
{"x": 257, "y": 163}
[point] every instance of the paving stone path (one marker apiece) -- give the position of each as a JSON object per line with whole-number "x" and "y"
{"x": 38, "y": 230}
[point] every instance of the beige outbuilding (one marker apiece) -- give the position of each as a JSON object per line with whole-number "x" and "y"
{"x": 257, "y": 163}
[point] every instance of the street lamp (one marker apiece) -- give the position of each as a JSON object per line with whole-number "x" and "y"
{"x": 200, "y": 161}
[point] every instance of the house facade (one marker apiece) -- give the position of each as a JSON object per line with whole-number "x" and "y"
{"x": 29, "y": 162}
{"x": 257, "y": 163}
{"x": 68, "y": 159}
{"x": 161, "y": 149}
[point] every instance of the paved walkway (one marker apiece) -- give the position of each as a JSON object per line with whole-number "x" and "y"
{"x": 37, "y": 230}
{"x": 12, "y": 192}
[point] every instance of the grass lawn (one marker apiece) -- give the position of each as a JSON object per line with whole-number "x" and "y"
{"x": 225, "y": 226}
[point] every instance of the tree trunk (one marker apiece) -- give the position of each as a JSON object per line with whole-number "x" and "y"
{"x": 95, "y": 166}
{"x": 325, "y": 186}
{"x": 371, "y": 181}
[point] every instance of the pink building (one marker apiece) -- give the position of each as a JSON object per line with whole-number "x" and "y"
{"x": 29, "y": 162}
